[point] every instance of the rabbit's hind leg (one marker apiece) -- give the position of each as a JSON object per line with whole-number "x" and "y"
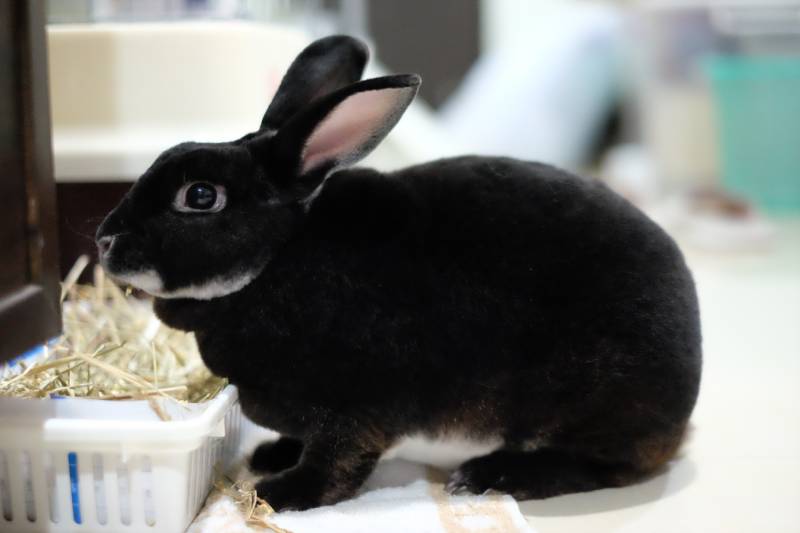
{"x": 551, "y": 471}
{"x": 534, "y": 475}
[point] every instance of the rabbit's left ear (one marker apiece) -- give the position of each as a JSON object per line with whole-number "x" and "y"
{"x": 342, "y": 127}
{"x": 324, "y": 66}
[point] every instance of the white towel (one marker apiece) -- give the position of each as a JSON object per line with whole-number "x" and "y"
{"x": 400, "y": 495}
{"x": 419, "y": 506}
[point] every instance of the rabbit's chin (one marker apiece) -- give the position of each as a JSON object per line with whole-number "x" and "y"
{"x": 150, "y": 282}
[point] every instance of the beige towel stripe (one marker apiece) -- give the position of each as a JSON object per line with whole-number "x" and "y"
{"x": 451, "y": 515}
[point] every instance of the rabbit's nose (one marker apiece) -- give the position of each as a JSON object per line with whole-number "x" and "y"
{"x": 104, "y": 244}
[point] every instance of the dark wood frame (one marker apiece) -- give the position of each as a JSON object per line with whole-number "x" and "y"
{"x": 30, "y": 309}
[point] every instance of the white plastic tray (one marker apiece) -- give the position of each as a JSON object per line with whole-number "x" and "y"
{"x": 93, "y": 465}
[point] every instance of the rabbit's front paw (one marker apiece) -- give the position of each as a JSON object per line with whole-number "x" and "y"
{"x": 276, "y": 456}
{"x": 289, "y": 493}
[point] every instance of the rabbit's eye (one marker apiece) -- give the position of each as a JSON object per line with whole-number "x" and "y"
{"x": 200, "y": 196}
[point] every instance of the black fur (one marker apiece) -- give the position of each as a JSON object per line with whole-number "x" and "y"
{"x": 323, "y": 67}
{"x": 485, "y": 297}
{"x": 274, "y": 456}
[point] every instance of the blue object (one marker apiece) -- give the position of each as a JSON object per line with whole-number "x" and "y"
{"x": 33, "y": 353}
{"x": 30, "y": 354}
{"x": 757, "y": 104}
{"x": 72, "y": 461}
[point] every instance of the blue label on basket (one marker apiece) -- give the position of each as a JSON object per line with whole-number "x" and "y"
{"x": 72, "y": 462}
{"x": 13, "y": 366}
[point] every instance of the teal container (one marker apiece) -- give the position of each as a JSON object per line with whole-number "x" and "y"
{"x": 757, "y": 103}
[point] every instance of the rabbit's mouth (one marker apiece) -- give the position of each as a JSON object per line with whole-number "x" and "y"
{"x": 124, "y": 264}
{"x": 125, "y": 258}
{"x": 152, "y": 283}
{"x": 147, "y": 280}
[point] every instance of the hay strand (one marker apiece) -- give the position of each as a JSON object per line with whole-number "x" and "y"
{"x": 256, "y": 511}
{"x": 113, "y": 347}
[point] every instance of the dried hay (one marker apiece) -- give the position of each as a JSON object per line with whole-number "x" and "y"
{"x": 256, "y": 511}
{"x": 113, "y": 348}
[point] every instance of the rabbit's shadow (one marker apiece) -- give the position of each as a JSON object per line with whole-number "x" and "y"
{"x": 671, "y": 480}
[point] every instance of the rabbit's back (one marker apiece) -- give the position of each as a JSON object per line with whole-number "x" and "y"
{"x": 577, "y": 273}
{"x": 530, "y": 281}
{"x": 521, "y": 235}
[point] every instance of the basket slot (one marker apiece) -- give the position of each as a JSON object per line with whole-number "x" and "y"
{"x": 216, "y": 457}
{"x": 5, "y": 488}
{"x": 51, "y": 483}
{"x": 204, "y": 453}
{"x": 88, "y": 500}
{"x": 233, "y": 430}
{"x": 192, "y": 479}
{"x": 99, "y": 486}
{"x": 124, "y": 491}
{"x": 205, "y": 473}
{"x": 63, "y": 487}
{"x": 16, "y": 483}
{"x": 27, "y": 486}
{"x": 41, "y": 494}
{"x": 146, "y": 473}
{"x": 136, "y": 489}
{"x": 111, "y": 482}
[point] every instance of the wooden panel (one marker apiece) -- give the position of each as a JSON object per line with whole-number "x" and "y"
{"x": 29, "y": 288}
{"x": 13, "y": 266}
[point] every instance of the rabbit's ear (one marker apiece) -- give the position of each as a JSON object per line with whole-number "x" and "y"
{"x": 343, "y": 127}
{"x": 324, "y": 66}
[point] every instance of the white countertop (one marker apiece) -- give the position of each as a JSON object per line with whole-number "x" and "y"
{"x": 740, "y": 469}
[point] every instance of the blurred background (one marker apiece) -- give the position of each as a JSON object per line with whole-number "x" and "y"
{"x": 688, "y": 108}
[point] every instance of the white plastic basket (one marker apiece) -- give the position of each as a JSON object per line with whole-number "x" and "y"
{"x": 92, "y": 465}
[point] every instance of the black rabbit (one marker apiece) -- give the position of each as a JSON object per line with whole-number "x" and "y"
{"x": 500, "y": 301}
